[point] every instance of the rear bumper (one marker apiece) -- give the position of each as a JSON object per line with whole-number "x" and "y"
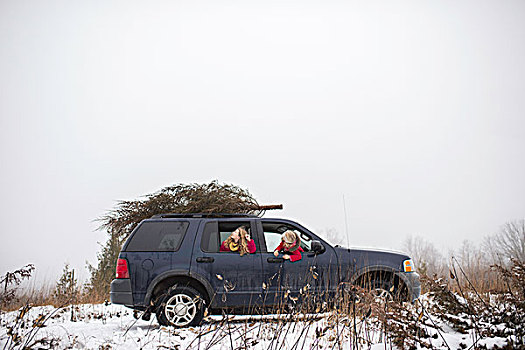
{"x": 121, "y": 292}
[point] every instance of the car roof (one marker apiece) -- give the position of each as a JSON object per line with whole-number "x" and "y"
{"x": 202, "y": 215}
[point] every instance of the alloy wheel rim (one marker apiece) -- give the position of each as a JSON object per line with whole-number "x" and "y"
{"x": 382, "y": 295}
{"x": 180, "y": 310}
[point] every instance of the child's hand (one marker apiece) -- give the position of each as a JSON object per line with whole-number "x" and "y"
{"x": 248, "y": 238}
{"x": 276, "y": 253}
{"x": 286, "y": 256}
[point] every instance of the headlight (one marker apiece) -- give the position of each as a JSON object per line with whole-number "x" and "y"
{"x": 408, "y": 265}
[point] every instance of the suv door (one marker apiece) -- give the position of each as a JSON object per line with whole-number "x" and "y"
{"x": 151, "y": 249}
{"x": 309, "y": 279}
{"x": 236, "y": 279}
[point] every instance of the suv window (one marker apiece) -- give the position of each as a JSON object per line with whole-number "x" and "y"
{"x": 273, "y": 232}
{"x": 217, "y": 232}
{"x": 210, "y": 238}
{"x": 158, "y": 236}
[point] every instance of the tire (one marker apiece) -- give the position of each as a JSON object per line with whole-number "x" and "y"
{"x": 383, "y": 290}
{"x": 180, "y": 307}
{"x": 381, "y": 287}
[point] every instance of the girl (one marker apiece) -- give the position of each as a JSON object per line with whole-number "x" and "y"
{"x": 239, "y": 241}
{"x": 290, "y": 246}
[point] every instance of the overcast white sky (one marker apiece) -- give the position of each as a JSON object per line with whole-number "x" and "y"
{"x": 413, "y": 110}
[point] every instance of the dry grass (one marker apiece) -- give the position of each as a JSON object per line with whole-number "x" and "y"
{"x": 44, "y": 295}
{"x": 473, "y": 297}
{"x": 356, "y": 319}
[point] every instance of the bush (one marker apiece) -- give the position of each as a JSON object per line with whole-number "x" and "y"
{"x": 10, "y": 282}
{"x": 67, "y": 290}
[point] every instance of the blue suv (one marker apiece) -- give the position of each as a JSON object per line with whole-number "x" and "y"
{"x": 171, "y": 265}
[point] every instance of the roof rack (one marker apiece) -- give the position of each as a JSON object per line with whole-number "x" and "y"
{"x": 203, "y": 215}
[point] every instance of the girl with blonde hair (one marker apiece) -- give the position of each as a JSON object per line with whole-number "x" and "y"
{"x": 239, "y": 241}
{"x": 290, "y": 246}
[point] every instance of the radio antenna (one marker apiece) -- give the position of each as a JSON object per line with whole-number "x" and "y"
{"x": 346, "y": 224}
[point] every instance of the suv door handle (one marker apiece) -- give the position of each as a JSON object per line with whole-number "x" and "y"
{"x": 275, "y": 260}
{"x": 205, "y": 259}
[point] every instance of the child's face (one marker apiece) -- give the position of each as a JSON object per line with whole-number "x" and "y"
{"x": 288, "y": 245}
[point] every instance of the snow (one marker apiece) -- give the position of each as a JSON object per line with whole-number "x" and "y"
{"x": 114, "y": 327}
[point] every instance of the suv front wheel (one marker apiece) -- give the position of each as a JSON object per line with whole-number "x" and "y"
{"x": 180, "y": 307}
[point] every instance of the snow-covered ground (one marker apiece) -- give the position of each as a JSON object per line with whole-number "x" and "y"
{"x": 114, "y": 327}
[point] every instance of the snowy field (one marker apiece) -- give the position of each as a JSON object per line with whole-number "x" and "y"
{"x": 105, "y": 327}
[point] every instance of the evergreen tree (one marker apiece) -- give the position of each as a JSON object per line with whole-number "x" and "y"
{"x": 66, "y": 290}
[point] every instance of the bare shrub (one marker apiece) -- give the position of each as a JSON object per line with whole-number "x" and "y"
{"x": 486, "y": 315}
{"x": 333, "y": 236}
{"x": 512, "y": 314}
{"x": 475, "y": 263}
{"x": 10, "y": 282}
{"x": 508, "y": 243}
{"x": 428, "y": 260}
{"x": 17, "y": 333}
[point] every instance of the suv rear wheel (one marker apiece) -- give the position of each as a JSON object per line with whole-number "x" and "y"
{"x": 180, "y": 307}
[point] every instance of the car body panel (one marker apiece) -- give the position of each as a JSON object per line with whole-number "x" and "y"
{"x": 259, "y": 279}
{"x": 314, "y": 273}
{"x": 233, "y": 278}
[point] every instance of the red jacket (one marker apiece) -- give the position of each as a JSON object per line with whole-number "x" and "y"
{"x": 251, "y": 247}
{"x": 294, "y": 256}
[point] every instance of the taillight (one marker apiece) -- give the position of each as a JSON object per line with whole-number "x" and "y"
{"x": 122, "y": 268}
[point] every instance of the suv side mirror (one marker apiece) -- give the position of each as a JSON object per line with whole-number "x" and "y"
{"x": 317, "y": 247}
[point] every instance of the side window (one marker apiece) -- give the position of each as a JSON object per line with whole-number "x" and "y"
{"x": 274, "y": 230}
{"x": 217, "y": 232}
{"x": 306, "y": 240}
{"x": 158, "y": 236}
{"x": 210, "y": 238}
{"x": 227, "y": 227}
{"x": 272, "y": 240}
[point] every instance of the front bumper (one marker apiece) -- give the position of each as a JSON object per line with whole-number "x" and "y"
{"x": 121, "y": 292}
{"x": 413, "y": 284}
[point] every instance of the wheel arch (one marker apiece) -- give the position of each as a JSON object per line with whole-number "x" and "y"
{"x": 164, "y": 281}
{"x": 382, "y": 272}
